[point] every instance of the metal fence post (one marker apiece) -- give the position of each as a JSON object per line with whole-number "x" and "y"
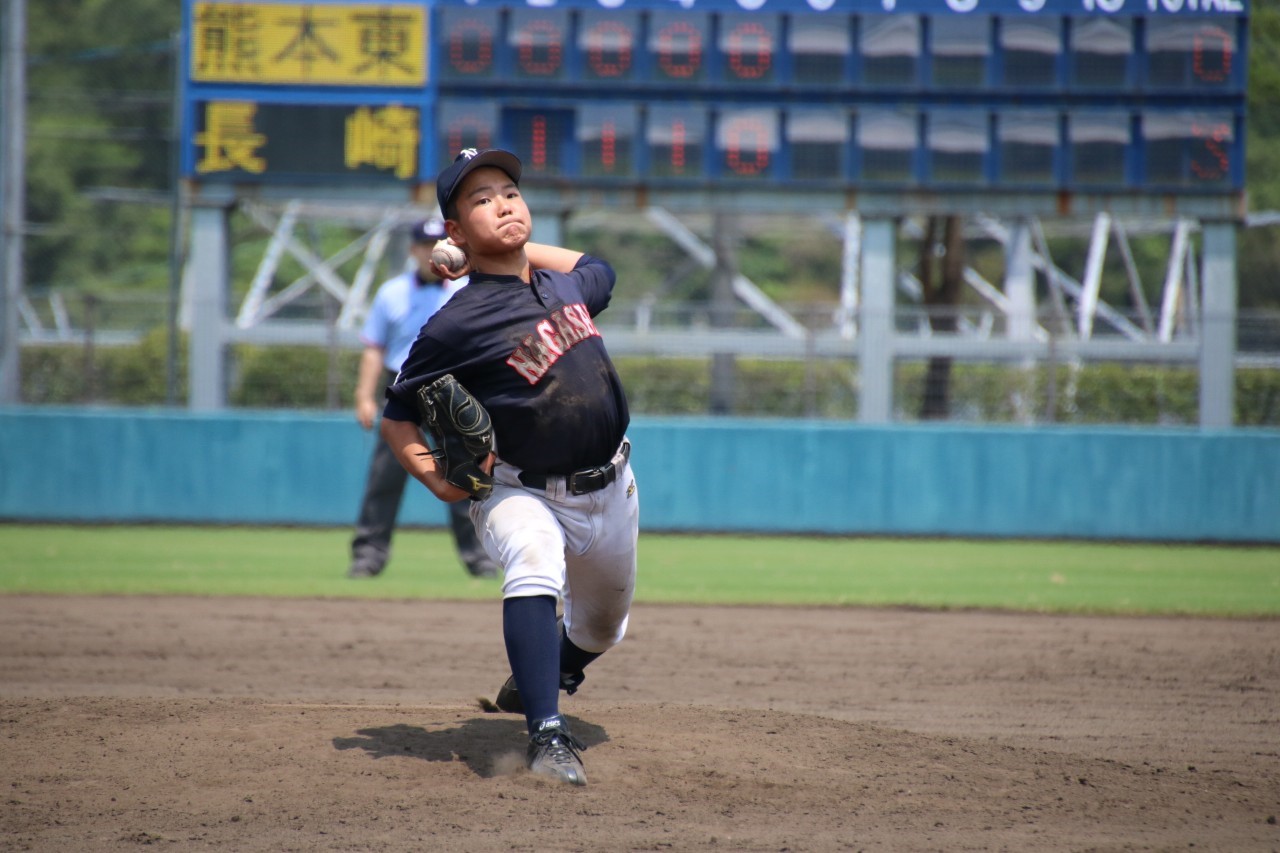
{"x": 875, "y": 327}
{"x": 1218, "y": 332}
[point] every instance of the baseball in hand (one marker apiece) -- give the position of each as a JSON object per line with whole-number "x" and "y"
{"x": 448, "y": 256}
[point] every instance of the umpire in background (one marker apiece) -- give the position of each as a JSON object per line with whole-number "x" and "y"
{"x": 402, "y": 306}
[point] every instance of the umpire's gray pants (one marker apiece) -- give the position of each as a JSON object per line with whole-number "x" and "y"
{"x": 383, "y": 494}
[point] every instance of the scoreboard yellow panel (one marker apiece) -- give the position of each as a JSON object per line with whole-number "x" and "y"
{"x": 322, "y": 45}
{"x": 241, "y": 139}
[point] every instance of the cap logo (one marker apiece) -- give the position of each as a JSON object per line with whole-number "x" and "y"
{"x": 468, "y": 153}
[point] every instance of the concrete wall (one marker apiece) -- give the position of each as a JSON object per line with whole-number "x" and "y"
{"x": 713, "y": 474}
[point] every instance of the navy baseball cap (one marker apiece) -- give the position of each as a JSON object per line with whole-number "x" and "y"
{"x": 427, "y": 231}
{"x": 467, "y": 161}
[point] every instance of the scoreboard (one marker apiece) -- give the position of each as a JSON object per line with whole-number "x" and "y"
{"x": 946, "y": 97}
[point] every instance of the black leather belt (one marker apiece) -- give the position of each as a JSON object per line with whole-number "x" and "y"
{"x": 586, "y": 480}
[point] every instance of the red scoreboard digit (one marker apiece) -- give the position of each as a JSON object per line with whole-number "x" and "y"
{"x": 607, "y": 137}
{"x": 1187, "y": 148}
{"x": 678, "y": 43}
{"x": 543, "y": 136}
{"x": 1189, "y": 53}
{"x": 464, "y": 123}
{"x": 747, "y": 143}
{"x": 538, "y": 43}
{"x": 468, "y": 43}
{"x": 748, "y": 47}
{"x": 608, "y": 42}
{"x": 1212, "y": 52}
{"x": 1210, "y": 161}
{"x": 676, "y": 141}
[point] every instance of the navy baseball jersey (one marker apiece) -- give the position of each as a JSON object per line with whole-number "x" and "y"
{"x": 533, "y": 357}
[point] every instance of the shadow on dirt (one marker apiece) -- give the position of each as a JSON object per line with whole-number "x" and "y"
{"x": 483, "y": 744}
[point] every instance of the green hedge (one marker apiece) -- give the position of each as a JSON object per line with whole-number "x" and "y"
{"x": 133, "y": 375}
{"x": 316, "y": 378}
{"x": 1091, "y": 394}
{"x": 682, "y": 386}
{"x": 292, "y": 377}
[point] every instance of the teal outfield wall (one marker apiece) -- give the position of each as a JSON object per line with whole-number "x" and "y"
{"x": 713, "y": 474}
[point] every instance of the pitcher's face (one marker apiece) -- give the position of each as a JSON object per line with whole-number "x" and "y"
{"x": 492, "y": 214}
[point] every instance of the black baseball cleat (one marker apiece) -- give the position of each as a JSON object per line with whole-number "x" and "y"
{"x": 509, "y": 697}
{"x": 555, "y": 753}
{"x": 571, "y": 681}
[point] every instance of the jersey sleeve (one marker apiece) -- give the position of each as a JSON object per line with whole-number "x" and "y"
{"x": 429, "y": 358}
{"x": 396, "y": 410}
{"x": 596, "y": 278}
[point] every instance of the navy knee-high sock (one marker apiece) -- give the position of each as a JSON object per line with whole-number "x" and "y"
{"x": 573, "y": 659}
{"x": 533, "y": 650}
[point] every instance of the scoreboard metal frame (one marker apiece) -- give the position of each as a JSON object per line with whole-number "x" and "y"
{"x": 1030, "y": 105}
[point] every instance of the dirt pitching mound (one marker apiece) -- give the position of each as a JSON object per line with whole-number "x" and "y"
{"x": 344, "y": 725}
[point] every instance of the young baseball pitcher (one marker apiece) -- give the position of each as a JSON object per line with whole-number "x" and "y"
{"x": 555, "y": 503}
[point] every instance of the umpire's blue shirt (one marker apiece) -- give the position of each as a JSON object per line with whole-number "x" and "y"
{"x": 400, "y": 309}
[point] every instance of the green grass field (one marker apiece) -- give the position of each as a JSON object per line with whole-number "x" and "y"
{"x": 1018, "y": 575}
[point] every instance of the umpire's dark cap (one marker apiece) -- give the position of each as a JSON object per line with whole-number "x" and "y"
{"x": 427, "y": 231}
{"x": 468, "y": 160}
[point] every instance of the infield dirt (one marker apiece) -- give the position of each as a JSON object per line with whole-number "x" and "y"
{"x": 272, "y": 725}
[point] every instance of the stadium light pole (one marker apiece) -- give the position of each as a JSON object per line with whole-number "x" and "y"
{"x": 13, "y": 125}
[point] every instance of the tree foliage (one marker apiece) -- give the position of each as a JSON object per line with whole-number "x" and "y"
{"x": 100, "y": 102}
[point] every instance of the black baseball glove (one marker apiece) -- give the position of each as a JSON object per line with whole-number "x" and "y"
{"x": 462, "y": 432}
